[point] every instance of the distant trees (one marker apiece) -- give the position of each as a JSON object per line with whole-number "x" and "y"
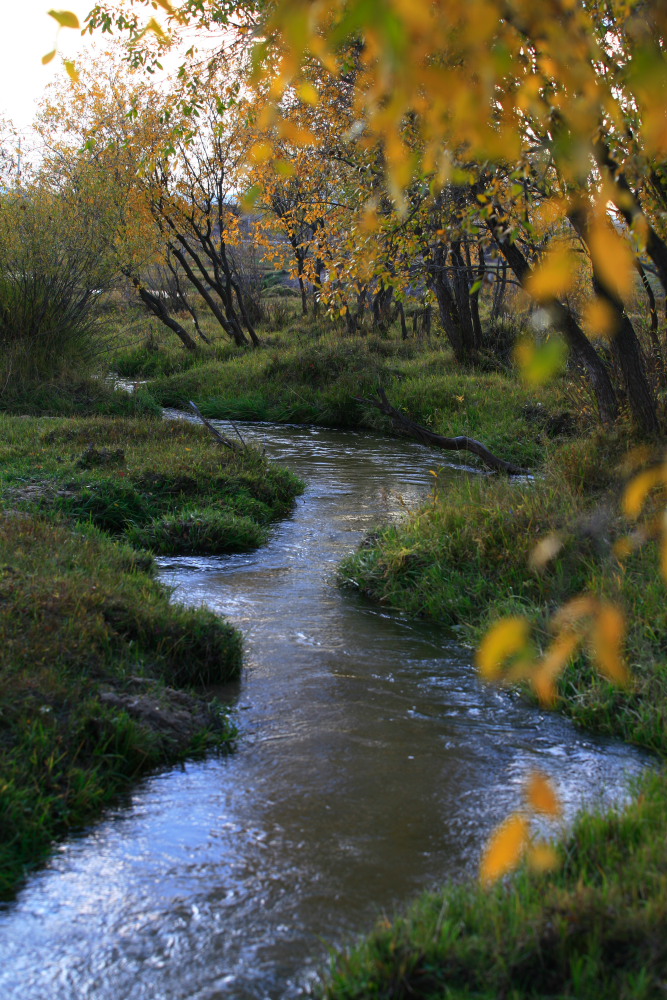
{"x": 171, "y": 192}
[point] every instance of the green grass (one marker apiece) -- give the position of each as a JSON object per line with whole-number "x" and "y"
{"x": 463, "y": 560}
{"x": 167, "y": 486}
{"x": 90, "y": 647}
{"x": 70, "y": 396}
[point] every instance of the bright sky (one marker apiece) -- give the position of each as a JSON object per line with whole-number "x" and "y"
{"x": 26, "y": 34}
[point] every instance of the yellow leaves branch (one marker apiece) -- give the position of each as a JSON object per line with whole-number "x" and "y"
{"x": 512, "y": 841}
{"x": 507, "y": 652}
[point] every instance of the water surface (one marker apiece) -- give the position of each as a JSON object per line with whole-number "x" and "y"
{"x": 371, "y": 765}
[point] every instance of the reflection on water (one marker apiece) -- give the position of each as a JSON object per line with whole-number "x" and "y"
{"x": 371, "y": 765}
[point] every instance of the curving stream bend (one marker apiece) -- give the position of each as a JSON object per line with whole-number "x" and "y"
{"x": 371, "y": 765}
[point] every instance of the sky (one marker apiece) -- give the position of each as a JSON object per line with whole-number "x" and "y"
{"x": 26, "y": 34}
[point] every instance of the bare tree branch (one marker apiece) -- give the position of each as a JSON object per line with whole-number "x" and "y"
{"x": 438, "y": 441}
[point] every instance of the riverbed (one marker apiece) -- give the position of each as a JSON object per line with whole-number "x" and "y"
{"x": 371, "y": 764}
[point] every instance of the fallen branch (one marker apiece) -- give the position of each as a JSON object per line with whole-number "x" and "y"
{"x": 227, "y": 442}
{"x": 438, "y": 441}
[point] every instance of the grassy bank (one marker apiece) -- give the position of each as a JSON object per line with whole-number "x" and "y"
{"x": 165, "y": 486}
{"x": 311, "y": 375}
{"x": 464, "y": 560}
{"x": 98, "y": 670}
{"x": 71, "y": 396}
{"x": 595, "y": 927}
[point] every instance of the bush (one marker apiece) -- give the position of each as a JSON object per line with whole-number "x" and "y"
{"x": 52, "y": 273}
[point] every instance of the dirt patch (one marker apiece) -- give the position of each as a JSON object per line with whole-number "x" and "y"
{"x": 176, "y": 716}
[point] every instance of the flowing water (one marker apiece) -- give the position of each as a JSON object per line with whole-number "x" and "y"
{"x": 371, "y": 765}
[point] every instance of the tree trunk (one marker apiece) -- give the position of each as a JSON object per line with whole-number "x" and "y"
{"x": 624, "y": 343}
{"x": 563, "y": 320}
{"x": 156, "y": 305}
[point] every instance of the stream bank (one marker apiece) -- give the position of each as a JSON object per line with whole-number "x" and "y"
{"x": 371, "y": 766}
{"x": 100, "y": 673}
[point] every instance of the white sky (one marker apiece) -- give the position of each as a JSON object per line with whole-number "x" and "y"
{"x": 26, "y": 34}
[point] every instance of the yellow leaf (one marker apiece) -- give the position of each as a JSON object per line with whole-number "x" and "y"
{"x": 607, "y": 637}
{"x": 640, "y": 230}
{"x": 156, "y": 28}
{"x": 296, "y": 134}
{"x": 72, "y": 71}
{"x": 261, "y": 152}
{"x": 554, "y": 276}
{"x": 65, "y": 18}
{"x": 554, "y": 661}
{"x": 48, "y": 57}
{"x": 309, "y": 94}
{"x": 572, "y": 613}
{"x": 639, "y": 488}
{"x": 165, "y": 6}
{"x": 539, "y": 362}
{"x": 545, "y": 550}
{"x": 612, "y": 258}
{"x": 541, "y": 796}
{"x": 542, "y": 857}
{"x": 623, "y": 548}
{"x": 505, "y": 848}
{"x": 600, "y": 319}
{"x": 505, "y": 639}
{"x": 369, "y": 222}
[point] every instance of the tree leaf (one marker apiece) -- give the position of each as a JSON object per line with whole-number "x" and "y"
{"x": 639, "y": 488}
{"x": 612, "y": 258}
{"x": 546, "y": 549}
{"x": 261, "y": 152}
{"x": 505, "y": 848}
{"x": 540, "y": 362}
{"x": 504, "y": 640}
{"x": 554, "y": 276}
{"x": 65, "y": 18}
{"x": 607, "y": 637}
{"x": 542, "y": 857}
{"x": 541, "y": 795}
{"x": 156, "y": 28}
{"x": 249, "y": 199}
{"x": 600, "y": 319}
{"x": 309, "y": 94}
{"x": 284, "y": 167}
{"x": 72, "y": 71}
{"x": 49, "y": 57}
{"x": 552, "y": 664}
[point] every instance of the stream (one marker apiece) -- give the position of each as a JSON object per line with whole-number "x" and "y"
{"x": 371, "y": 765}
